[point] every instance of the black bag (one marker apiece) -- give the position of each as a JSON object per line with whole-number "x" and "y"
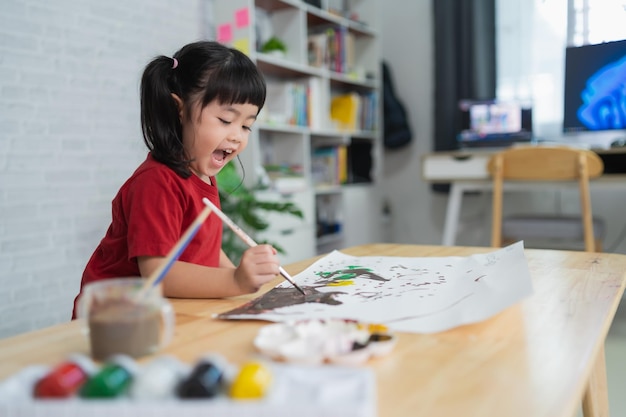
{"x": 397, "y": 132}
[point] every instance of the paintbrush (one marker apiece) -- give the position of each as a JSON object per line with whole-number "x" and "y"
{"x": 247, "y": 239}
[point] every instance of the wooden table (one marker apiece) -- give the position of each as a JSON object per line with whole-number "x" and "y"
{"x": 537, "y": 358}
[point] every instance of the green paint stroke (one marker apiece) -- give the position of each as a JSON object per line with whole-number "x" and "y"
{"x": 344, "y": 274}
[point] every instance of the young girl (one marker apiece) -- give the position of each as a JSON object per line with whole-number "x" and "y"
{"x": 197, "y": 110}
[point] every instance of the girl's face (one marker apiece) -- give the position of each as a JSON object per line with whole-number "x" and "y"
{"x": 216, "y": 134}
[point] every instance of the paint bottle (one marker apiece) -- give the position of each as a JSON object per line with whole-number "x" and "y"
{"x": 252, "y": 382}
{"x": 206, "y": 379}
{"x": 158, "y": 379}
{"x": 65, "y": 379}
{"x": 112, "y": 380}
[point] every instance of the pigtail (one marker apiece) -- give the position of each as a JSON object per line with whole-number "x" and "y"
{"x": 160, "y": 122}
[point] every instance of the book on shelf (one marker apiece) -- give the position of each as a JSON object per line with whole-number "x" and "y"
{"x": 332, "y": 47}
{"x": 342, "y": 164}
{"x": 329, "y": 165}
{"x": 369, "y": 111}
{"x": 287, "y": 103}
{"x": 317, "y": 49}
{"x": 316, "y": 105}
{"x": 348, "y": 65}
{"x": 299, "y": 103}
{"x": 354, "y": 111}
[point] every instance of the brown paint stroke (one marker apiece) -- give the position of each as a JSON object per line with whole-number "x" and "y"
{"x": 283, "y": 297}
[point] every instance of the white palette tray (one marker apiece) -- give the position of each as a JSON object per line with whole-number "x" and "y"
{"x": 297, "y": 390}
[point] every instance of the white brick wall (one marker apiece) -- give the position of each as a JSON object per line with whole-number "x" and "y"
{"x": 70, "y": 135}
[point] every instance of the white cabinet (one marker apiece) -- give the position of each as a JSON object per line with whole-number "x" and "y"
{"x": 363, "y": 223}
{"x": 318, "y": 138}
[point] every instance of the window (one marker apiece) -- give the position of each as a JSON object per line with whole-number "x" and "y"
{"x": 532, "y": 35}
{"x": 595, "y": 21}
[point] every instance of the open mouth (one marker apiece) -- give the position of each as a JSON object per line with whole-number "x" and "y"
{"x": 222, "y": 154}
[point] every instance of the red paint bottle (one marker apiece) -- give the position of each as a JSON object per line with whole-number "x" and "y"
{"x": 65, "y": 379}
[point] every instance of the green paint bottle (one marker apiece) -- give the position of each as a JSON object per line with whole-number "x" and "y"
{"x": 112, "y": 380}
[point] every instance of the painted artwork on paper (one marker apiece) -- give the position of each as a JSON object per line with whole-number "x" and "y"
{"x": 420, "y": 294}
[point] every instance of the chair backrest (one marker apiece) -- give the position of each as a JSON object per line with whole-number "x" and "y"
{"x": 539, "y": 163}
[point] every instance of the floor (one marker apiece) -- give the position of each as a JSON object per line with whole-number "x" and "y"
{"x": 615, "y": 351}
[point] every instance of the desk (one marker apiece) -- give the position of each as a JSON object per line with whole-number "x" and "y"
{"x": 467, "y": 172}
{"x": 536, "y": 358}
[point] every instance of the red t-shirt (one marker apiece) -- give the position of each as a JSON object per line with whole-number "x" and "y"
{"x": 150, "y": 213}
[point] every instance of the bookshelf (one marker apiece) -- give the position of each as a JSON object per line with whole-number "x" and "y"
{"x": 318, "y": 140}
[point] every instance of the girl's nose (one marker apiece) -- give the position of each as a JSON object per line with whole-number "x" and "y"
{"x": 235, "y": 135}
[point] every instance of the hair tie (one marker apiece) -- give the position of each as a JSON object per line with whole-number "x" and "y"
{"x": 175, "y": 64}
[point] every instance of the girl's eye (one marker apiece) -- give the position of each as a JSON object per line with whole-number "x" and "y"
{"x": 226, "y": 122}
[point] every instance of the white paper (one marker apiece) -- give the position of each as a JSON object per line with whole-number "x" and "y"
{"x": 419, "y": 294}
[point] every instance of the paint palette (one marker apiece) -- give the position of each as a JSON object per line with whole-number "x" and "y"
{"x": 165, "y": 387}
{"x": 336, "y": 341}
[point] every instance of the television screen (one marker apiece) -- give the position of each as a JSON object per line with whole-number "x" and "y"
{"x": 595, "y": 87}
{"x": 494, "y": 123}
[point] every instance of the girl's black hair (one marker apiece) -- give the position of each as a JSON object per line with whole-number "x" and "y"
{"x": 204, "y": 71}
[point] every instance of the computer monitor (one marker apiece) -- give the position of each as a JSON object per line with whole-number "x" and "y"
{"x": 595, "y": 89}
{"x": 494, "y": 123}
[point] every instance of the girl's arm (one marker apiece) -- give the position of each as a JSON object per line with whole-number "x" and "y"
{"x": 258, "y": 266}
{"x": 225, "y": 261}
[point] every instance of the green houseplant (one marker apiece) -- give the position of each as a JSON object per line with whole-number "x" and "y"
{"x": 274, "y": 45}
{"x": 241, "y": 204}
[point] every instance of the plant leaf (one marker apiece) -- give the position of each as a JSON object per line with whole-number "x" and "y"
{"x": 240, "y": 204}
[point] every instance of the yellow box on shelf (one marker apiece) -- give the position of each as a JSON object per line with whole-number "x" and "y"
{"x": 344, "y": 111}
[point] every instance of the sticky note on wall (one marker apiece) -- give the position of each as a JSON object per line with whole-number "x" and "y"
{"x": 242, "y": 17}
{"x": 242, "y": 45}
{"x": 224, "y": 33}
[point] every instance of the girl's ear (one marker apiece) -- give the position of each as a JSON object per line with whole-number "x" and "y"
{"x": 179, "y": 105}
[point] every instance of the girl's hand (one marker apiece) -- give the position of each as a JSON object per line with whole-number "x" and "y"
{"x": 258, "y": 266}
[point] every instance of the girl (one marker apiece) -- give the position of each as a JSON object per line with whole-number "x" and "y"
{"x": 197, "y": 109}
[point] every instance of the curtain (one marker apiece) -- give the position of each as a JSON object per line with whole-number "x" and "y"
{"x": 465, "y": 63}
